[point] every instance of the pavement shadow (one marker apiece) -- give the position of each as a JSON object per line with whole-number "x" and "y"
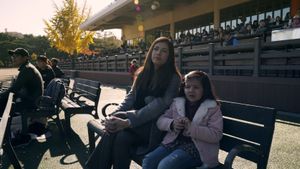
{"x": 68, "y": 149}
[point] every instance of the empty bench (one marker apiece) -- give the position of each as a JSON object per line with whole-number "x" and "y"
{"x": 247, "y": 133}
{"x": 83, "y": 99}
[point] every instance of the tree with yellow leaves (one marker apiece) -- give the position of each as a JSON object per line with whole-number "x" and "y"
{"x": 63, "y": 28}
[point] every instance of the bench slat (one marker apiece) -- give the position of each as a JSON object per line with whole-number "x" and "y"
{"x": 251, "y": 113}
{"x": 242, "y": 129}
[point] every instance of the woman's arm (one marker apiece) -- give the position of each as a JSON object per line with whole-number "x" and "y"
{"x": 157, "y": 106}
{"x": 127, "y": 103}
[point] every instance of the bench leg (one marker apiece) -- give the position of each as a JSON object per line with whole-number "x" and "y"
{"x": 59, "y": 125}
{"x": 24, "y": 118}
{"x": 91, "y": 140}
{"x": 68, "y": 121}
{"x": 10, "y": 151}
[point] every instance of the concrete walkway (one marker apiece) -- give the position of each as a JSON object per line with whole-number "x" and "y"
{"x": 72, "y": 152}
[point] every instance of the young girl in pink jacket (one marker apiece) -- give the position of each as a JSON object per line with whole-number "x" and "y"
{"x": 194, "y": 127}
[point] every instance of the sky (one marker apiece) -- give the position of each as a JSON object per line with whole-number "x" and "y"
{"x": 26, "y": 16}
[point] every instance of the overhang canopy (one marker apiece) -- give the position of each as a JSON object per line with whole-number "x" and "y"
{"x": 123, "y": 12}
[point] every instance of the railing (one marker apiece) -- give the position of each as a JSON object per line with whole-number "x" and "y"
{"x": 259, "y": 59}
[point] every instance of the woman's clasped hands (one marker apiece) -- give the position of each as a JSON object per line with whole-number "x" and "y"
{"x": 114, "y": 124}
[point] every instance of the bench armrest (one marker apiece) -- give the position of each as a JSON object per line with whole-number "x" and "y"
{"x": 236, "y": 151}
{"x": 73, "y": 97}
{"x": 106, "y": 106}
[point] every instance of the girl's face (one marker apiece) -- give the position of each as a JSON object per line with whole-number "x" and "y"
{"x": 193, "y": 90}
{"x": 160, "y": 54}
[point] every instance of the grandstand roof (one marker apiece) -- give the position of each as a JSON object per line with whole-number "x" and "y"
{"x": 123, "y": 12}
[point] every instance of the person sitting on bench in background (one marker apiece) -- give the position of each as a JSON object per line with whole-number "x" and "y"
{"x": 194, "y": 126}
{"x": 58, "y": 72}
{"x": 153, "y": 90}
{"x": 43, "y": 65}
{"x": 28, "y": 87}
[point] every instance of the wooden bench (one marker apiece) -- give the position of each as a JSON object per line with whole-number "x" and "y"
{"x": 83, "y": 99}
{"x": 5, "y": 144}
{"x": 248, "y": 132}
{"x": 47, "y": 105}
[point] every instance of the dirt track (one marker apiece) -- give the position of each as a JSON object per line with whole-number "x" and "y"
{"x": 7, "y": 73}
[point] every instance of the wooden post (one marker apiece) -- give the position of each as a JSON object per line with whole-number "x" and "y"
{"x": 99, "y": 64}
{"x": 140, "y": 58}
{"x": 211, "y": 58}
{"x": 180, "y": 59}
{"x": 126, "y": 61}
{"x": 256, "y": 61}
{"x": 106, "y": 57}
{"x": 116, "y": 63}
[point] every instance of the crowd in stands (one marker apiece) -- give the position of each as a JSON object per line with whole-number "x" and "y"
{"x": 226, "y": 35}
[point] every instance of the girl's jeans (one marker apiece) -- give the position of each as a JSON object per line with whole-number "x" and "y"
{"x": 163, "y": 158}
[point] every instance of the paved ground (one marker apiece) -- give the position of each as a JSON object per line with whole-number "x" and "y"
{"x": 71, "y": 152}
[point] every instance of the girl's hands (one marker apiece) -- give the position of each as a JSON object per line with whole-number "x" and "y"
{"x": 114, "y": 124}
{"x": 181, "y": 123}
{"x": 186, "y": 122}
{"x": 178, "y": 124}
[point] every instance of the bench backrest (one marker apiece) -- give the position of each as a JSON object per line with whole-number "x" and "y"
{"x": 89, "y": 87}
{"x": 5, "y": 119}
{"x": 248, "y": 124}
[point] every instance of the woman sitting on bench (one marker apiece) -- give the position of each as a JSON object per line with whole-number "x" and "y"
{"x": 153, "y": 90}
{"x": 194, "y": 124}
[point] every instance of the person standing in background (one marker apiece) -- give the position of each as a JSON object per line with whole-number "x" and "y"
{"x": 133, "y": 68}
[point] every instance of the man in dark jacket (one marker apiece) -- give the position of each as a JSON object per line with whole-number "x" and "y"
{"x": 28, "y": 86}
{"x": 58, "y": 72}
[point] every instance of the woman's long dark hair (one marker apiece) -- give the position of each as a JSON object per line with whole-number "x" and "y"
{"x": 202, "y": 77}
{"x": 156, "y": 81}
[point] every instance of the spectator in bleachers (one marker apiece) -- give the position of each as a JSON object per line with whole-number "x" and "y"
{"x": 43, "y": 65}
{"x": 228, "y": 28}
{"x": 204, "y": 35}
{"x": 216, "y": 34}
{"x": 262, "y": 29}
{"x": 278, "y": 21}
{"x": 211, "y": 34}
{"x": 249, "y": 30}
{"x": 221, "y": 35}
{"x": 57, "y": 71}
{"x": 296, "y": 21}
{"x": 269, "y": 20}
{"x": 254, "y": 26}
{"x": 197, "y": 37}
{"x": 287, "y": 17}
{"x": 230, "y": 40}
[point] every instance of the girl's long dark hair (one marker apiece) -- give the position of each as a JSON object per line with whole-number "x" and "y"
{"x": 208, "y": 88}
{"x": 156, "y": 81}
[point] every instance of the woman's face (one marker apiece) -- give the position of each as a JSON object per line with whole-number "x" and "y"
{"x": 193, "y": 90}
{"x": 160, "y": 54}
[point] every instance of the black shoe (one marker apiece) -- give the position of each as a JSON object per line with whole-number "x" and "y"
{"x": 21, "y": 140}
{"x": 37, "y": 129}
